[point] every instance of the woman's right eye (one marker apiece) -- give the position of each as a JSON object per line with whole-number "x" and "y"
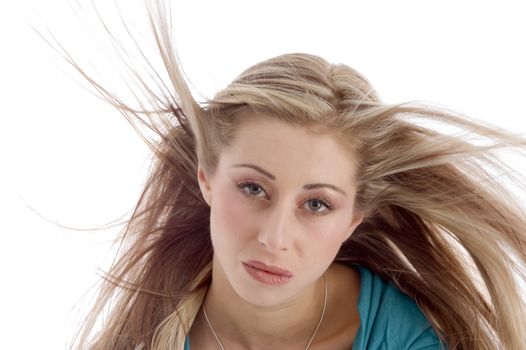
{"x": 251, "y": 189}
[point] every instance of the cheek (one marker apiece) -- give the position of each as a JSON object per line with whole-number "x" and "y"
{"x": 230, "y": 222}
{"x": 329, "y": 233}
{"x": 327, "y": 244}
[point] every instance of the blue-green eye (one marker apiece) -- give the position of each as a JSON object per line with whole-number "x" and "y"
{"x": 252, "y": 190}
{"x": 320, "y": 204}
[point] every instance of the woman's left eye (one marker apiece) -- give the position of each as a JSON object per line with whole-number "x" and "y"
{"x": 252, "y": 190}
{"x": 320, "y": 203}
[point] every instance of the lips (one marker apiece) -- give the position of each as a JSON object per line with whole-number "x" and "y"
{"x": 270, "y": 269}
{"x": 265, "y": 274}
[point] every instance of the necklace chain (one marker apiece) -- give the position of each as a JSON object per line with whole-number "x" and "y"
{"x": 311, "y": 338}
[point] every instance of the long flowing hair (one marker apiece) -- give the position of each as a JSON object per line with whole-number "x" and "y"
{"x": 440, "y": 223}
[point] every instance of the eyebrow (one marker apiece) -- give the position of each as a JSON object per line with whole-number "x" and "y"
{"x": 272, "y": 177}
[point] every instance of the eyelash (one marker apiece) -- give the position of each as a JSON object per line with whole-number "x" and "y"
{"x": 326, "y": 203}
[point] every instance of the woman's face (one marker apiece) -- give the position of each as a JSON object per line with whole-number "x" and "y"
{"x": 282, "y": 197}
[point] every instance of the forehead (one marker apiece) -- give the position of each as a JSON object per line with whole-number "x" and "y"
{"x": 290, "y": 150}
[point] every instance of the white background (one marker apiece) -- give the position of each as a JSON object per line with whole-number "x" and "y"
{"x": 78, "y": 163}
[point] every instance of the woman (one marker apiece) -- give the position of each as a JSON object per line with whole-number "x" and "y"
{"x": 295, "y": 210}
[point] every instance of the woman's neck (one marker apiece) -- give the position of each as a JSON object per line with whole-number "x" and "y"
{"x": 239, "y": 324}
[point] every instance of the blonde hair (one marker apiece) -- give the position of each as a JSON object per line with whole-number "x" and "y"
{"x": 440, "y": 223}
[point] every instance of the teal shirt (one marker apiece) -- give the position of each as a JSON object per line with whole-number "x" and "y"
{"x": 389, "y": 319}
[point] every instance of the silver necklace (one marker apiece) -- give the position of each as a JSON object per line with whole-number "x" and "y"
{"x": 311, "y": 338}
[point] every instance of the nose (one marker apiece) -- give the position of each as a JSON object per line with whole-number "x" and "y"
{"x": 276, "y": 233}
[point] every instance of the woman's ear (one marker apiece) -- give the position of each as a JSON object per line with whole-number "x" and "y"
{"x": 358, "y": 216}
{"x": 204, "y": 185}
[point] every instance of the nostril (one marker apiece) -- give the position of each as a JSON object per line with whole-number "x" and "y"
{"x": 273, "y": 241}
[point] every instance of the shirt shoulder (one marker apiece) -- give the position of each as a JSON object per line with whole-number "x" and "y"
{"x": 390, "y": 319}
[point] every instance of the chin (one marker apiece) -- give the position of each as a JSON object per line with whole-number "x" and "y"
{"x": 262, "y": 298}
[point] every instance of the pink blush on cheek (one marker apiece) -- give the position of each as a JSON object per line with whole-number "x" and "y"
{"x": 232, "y": 214}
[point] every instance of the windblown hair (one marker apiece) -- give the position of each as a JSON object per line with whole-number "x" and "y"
{"x": 440, "y": 223}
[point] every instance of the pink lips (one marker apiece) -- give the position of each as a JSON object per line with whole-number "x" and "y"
{"x": 267, "y": 274}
